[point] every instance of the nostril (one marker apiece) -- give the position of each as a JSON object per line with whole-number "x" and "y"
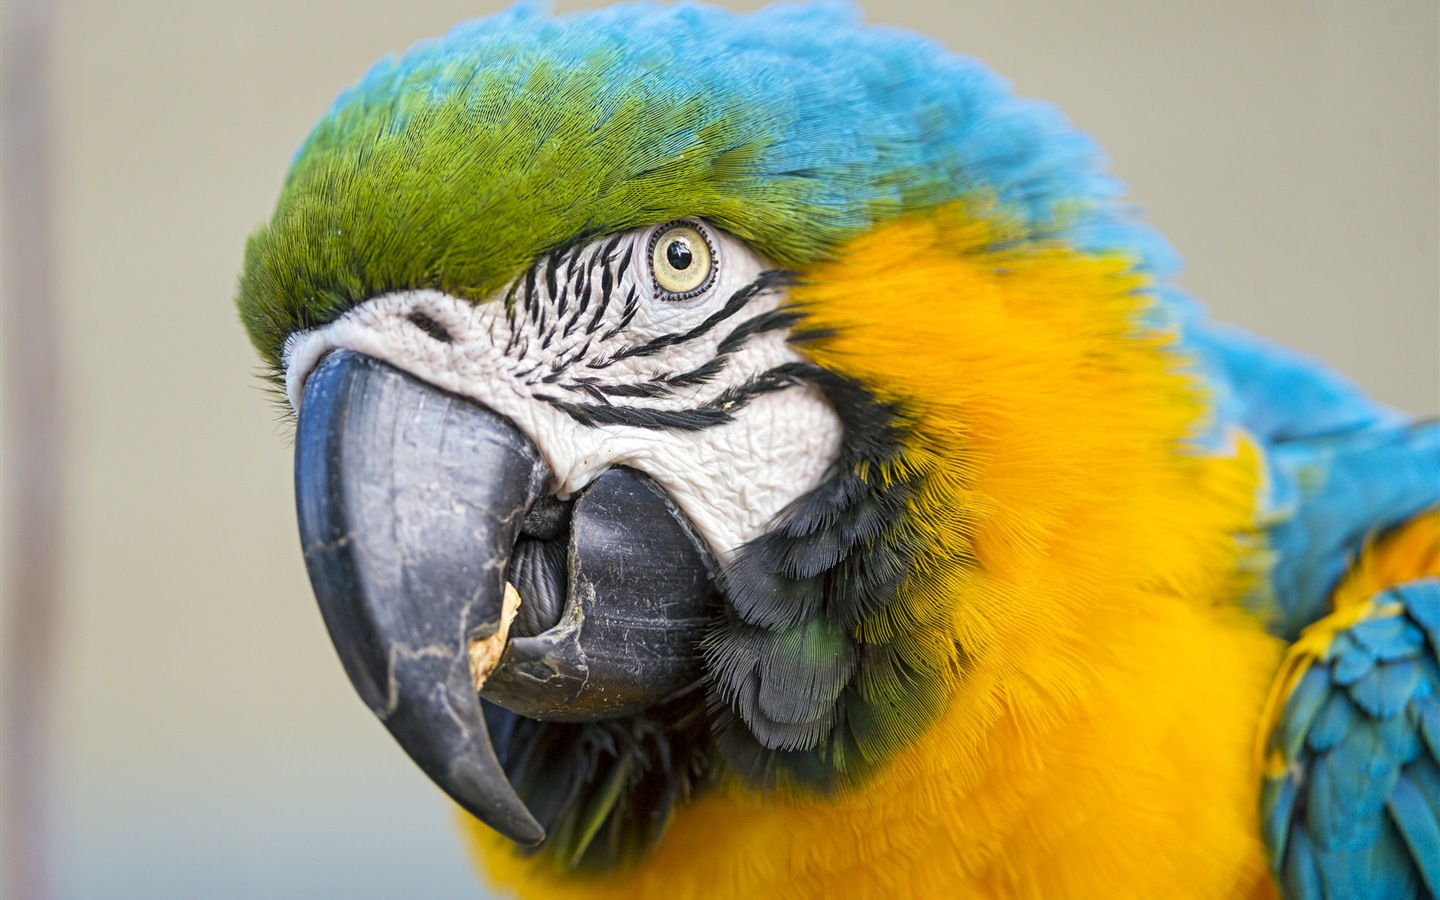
{"x": 538, "y": 571}
{"x": 430, "y": 327}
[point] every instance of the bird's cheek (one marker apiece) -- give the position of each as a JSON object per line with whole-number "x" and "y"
{"x": 731, "y": 481}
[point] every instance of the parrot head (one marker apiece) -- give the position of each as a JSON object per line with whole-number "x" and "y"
{"x": 601, "y": 502}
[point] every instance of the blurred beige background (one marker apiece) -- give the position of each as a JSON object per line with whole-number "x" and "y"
{"x": 209, "y": 745}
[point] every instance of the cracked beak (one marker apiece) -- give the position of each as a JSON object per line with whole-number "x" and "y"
{"x": 422, "y": 513}
{"x": 410, "y": 501}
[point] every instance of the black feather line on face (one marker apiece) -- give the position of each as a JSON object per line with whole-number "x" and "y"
{"x": 774, "y": 320}
{"x": 655, "y": 388}
{"x": 713, "y": 412}
{"x": 738, "y": 301}
{"x": 531, "y": 306}
{"x": 552, "y": 262}
{"x": 717, "y": 411}
{"x": 582, "y": 297}
{"x": 698, "y": 375}
{"x": 662, "y": 385}
{"x": 632, "y": 306}
{"x": 564, "y": 363}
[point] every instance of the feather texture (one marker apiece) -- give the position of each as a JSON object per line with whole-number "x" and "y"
{"x": 1349, "y": 800}
{"x": 457, "y": 164}
{"x": 1065, "y": 687}
{"x": 1017, "y": 636}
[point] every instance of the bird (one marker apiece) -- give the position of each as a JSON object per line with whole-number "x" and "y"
{"x": 760, "y": 455}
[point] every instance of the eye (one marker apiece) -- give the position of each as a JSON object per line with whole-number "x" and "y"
{"x": 682, "y": 259}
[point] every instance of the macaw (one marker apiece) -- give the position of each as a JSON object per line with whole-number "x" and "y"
{"x": 757, "y": 455}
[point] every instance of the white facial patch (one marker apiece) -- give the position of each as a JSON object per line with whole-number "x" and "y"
{"x": 593, "y": 361}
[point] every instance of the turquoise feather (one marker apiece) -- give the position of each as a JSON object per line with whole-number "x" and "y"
{"x": 1354, "y": 812}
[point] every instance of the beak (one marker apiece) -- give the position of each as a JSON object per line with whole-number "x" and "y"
{"x": 409, "y": 502}
{"x": 412, "y": 502}
{"x": 640, "y": 593}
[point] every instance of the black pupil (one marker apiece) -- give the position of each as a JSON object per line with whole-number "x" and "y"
{"x": 678, "y": 254}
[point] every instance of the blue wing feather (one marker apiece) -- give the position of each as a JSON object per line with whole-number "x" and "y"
{"x": 1424, "y": 776}
{"x": 1386, "y": 690}
{"x": 1342, "y": 489}
{"x": 1336, "y": 720}
{"x": 1301, "y": 874}
{"x": 1415, "y": 818}
{"x": 1429, "y": 716}
{"x": 1305, "y": 704}
{"x": 1277, "y": 797}
{"x": 1389, "y": 639}
{"x": 1354, "y": 811}
{"x": 1339, "y": 466}
{"x": 1352, "y": 662}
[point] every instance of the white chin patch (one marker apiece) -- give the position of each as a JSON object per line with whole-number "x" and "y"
{"x": 694, "y": 394}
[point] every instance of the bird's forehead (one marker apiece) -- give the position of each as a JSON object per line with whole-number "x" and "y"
{"x": 455, "y": 165}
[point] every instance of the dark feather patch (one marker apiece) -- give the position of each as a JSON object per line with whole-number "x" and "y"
{"x": 802, "y": 558}
{"x": 762, "y": 597}
{"x": 865, "y": 583}
{"x": 604, "y": 791}
{"x": 784, "y": 686}
{"x": 819, "y": 768}
{"x": 806, "y": 666}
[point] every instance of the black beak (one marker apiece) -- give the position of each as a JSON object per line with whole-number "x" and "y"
{"x": 411, "y": 504}
{"x": 410, "y": 500}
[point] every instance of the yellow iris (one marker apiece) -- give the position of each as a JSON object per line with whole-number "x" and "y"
{"x": 681, "y": 260}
